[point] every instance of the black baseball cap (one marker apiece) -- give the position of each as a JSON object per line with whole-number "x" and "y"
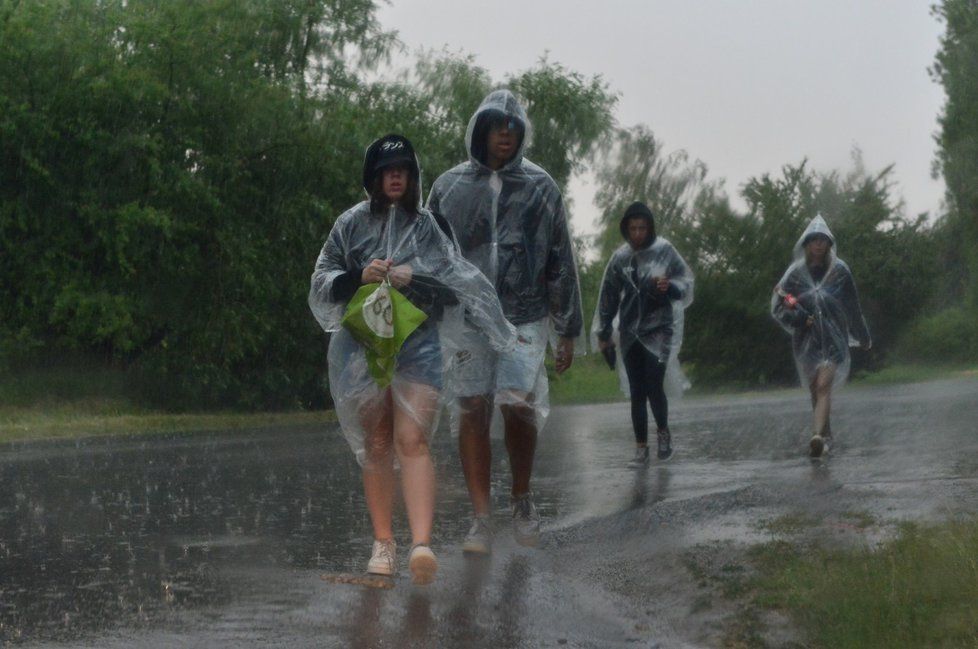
{"x": 388, "y": 151}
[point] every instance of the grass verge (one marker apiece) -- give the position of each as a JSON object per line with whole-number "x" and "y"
{"x": 87, "y": 401}
{"x": 19, "y": 426}
{"x": 919, "y": 589}
{"x": 913, "y": 373}
{"x": 587, "y": 381}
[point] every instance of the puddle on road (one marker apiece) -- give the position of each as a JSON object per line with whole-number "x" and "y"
{"x": 91, "y": 538}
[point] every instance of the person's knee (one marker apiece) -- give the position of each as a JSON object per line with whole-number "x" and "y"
{"x": 823, "y": 386}
{"x": 475, "y": 407}
{"x": 411, "y": 443}
{"x": 519, "y": 413}
{"x": 378, "y": 449}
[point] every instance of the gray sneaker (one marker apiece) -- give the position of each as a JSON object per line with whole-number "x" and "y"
{"x": 641, "y": 458}
{"x": 664, "y": 439}
{"x": 526, "y": 521}
{"x": 817, "y": 447}
{"x": 479, "y": 538}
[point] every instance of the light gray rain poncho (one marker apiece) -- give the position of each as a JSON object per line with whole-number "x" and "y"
{"x": 631, "y": 312}
{"x": 512, "y": 225}
{"x": 443, "y": 284}
{"x": 828, "y": 295}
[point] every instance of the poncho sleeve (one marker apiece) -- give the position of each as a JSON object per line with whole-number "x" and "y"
{"x": 328, "y": 287}
{"x": 563, "y": 288}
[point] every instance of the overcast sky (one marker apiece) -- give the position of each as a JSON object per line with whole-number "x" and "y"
{"x": 745, "y": 86}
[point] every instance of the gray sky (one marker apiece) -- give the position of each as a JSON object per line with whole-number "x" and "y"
{"x": 745, "y": 86}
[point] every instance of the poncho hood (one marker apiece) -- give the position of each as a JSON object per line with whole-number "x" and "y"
{"x": 816, "y": 226}
{"x": 498, "y": 103}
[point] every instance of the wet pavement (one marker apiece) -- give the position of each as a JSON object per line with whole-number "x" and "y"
{"x": 220, "y": 540}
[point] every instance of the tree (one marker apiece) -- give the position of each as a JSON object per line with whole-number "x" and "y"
{"x": 956, "y": 69}
{"x": 171, "y": 169}
{"x": 163, "y": 166}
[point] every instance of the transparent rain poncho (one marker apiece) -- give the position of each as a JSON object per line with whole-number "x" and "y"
{"x": 630, "y": 311}
{"x": 442, "y": 284}
{"x": 819, "y": 307}
{"x": 512, "y": 225}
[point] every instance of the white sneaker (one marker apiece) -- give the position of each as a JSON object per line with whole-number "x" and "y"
{"x": 479, "y": 538}
{"x": 383, "y": 559}
{"x": 422, "y": 564}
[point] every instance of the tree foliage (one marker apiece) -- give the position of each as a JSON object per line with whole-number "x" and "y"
{"x": 739, "y": 257}
{"x": 170, "y": 170}
{"x": 956, "y": 69}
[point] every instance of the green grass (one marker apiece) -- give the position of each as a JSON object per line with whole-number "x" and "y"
{"x": 587, "y": 381}
{"x": 789, "y": 524}
{"x": 914, "y": 373}
{"x": 918, "y": 590}
{"x": 81, "y": 402}
{"x": 85, "y": 399}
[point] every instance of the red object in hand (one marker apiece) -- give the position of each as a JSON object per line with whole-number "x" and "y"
{"x": 790, "y": 300}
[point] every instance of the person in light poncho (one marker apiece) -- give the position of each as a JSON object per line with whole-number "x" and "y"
{"x": 390, "y": 240}
{"x": 645, "y": 289}
{"x": 509, "y": 218}
{"x": 817, "y": 303}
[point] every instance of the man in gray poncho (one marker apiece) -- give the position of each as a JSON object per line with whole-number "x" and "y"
{"x": 508, "y": 217}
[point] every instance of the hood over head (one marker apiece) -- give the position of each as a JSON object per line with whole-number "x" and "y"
{"x": 498, "y": 105}
{"x": 817, "y": 226}
{"x": 638, "y": 210}
{"x": 392, "y": 149}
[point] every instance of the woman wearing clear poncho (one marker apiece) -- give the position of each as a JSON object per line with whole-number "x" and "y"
{"x": 646, "y": 287}
{"x": 817, "y": 303}
{"x": 391, "y": 288}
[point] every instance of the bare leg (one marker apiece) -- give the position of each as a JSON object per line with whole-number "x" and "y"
{"x": 378, "y": 465}
{"x": 475, "y": 449}
{"x": 416, "y": 406}
{"x": 821, "y": 388}
{"x": 521, "y": 442}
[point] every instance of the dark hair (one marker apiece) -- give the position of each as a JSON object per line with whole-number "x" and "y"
{"x": 409, "y": 201}
{"x": 638, "y": 210}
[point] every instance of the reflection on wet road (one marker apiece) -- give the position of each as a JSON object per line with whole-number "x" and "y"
{"x": 220, "y": 540}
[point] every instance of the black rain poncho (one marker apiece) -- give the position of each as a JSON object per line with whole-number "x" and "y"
{"x": 630, "y": 311}
{"x": 512, "y": 225}
{"x": 443, "y": 284}
{"x": 827, "y": 295}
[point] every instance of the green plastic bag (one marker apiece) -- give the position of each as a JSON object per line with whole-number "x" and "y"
{"x": 380, "y": 318}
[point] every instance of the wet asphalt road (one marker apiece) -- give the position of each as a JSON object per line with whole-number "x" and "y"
{"x": 219, "y": 540}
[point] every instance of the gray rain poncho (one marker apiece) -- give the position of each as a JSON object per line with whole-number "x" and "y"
{"x": 828, "y": 296}
{"x": 512, "y": 225}
{"x": 442, "y": 284}
{"x": 630, "y": 311}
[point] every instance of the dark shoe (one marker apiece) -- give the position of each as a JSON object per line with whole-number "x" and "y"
{"x": 526, "y": 521}
{"x": 664, "y": 451}
{"x": 641, "y": 458}
{"x": 817, "y": 446}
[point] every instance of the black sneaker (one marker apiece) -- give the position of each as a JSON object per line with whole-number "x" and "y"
{"x": 664, "y": 451}
{"x": 641, "y": 458}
